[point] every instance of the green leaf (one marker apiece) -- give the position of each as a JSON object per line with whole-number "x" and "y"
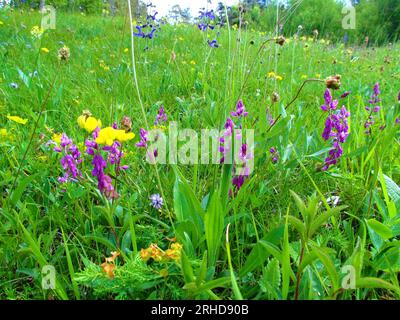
{"x": 16, "y": 195}
{"x": 214, "y": 228}
{"x": 383, "y": 231}
{"x": 271, "y": 279}
{"x": 329, "y": 266}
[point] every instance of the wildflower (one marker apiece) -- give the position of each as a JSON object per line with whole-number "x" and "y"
{"x": 240, "y": 110}
{"x": 17, "y": 119}
{"x": 275, "y": 155}
{"x": 108, "y": 135}
{"x": 14, "y": 85}
{"x": 156, "y": 201}
{"x": 274, "y": 76}
{"x": 213, "y": 43}
{"x": 37, "y": 32}
{"x": 330, "y": 103}
{"x": 104, "y": 182}
{"x": 126, "y": 50}
{"x": 88, "y": 123}
{"x": 143, "y": 139}
{"x": 70, "y": 160}
{"x": 64, "y": 53}
{"x": 270, "y": 119}
{"x": 372, "y": 108}
{"x": 161, "y": 116}
{"x": 109, "y": 264}
{"x": 336, "y": 128}
{"x": 45, "y": 50}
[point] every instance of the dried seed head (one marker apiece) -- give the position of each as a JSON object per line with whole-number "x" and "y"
{"x": 86, "y": 113}
{"x": 275, "y": 97}
{"x": 280, "y": 40}
{"x": 333, "y": 82}
{"x": 126, "y": 124}
{"x": 64, "y": 53}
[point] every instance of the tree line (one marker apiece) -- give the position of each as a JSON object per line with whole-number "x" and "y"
{"x": 375, "y": 20}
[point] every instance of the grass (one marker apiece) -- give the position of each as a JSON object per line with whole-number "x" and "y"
{"x": 268, "y": 251}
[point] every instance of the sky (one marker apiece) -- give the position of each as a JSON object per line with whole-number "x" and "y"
{"x": 163, "y": 6}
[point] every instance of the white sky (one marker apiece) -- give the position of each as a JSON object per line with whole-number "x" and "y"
{"x": 163, "y": 6}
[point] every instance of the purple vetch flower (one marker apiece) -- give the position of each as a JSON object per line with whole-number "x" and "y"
{"x": 330, "y": 103}
{"x": 372, "y": 108}
{"x": 143, "y": 139}
{"x": 225, "y": 142}
{"x": 104, "y": 182}
{"x": 345, "y": 94}
{"x": 274, "y": 155}
{"x": 156, "y": 201}
{"x": 115, "y": 155}
{"x": 337, "y": 129}
{"x": 270, "y": 119}
{"x": 161, "y": 117}
{"x": 70, "y": 160}
{"x": 397, "y": 121}
{"x": 240, "y": 110}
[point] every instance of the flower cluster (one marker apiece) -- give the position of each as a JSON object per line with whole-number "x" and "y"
{"x": 274, "y": 155}
{"x": 104, "y": 146}
{"x": 156, "y": 201}
{"x": 111, "y": 152}
{"x": 37, "y": 32}
{"x": 373, "y": 108}
{"x": 71, "y": 159}
{"x": 207, "y": 20}
{"x": 225, "y": 146}
{"x": 158, "y": 255}
{"x": 336, "y": 128}
{"x": 159, "y": 123}
{"x": 109, "y": 264}
{"x": 148, "y": 28}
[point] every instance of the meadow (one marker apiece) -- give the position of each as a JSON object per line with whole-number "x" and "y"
{"x": 317, "y": 218}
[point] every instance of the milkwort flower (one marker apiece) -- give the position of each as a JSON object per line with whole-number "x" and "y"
{"x": 336, "y": 128}
{"x": 373, "y": 108}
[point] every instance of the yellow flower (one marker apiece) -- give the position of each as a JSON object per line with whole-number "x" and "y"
{"x": 126, "y": 50}
{"x": 3, "y": 133}
{"x": 108, "y": 135}
{"x": 275, "y": 76}
{"x": 1, "y": 23}
{"x": 37, "y": 32}
{"x": 45, "y": 50}
{"x": 17, "y": 119}
{"x": 318, "y": 75}
{"x": 88, "y": 123}
{"x": 56, "y": 137}
{"x": 193, "y": 62}
{"x": 304, "y": 76}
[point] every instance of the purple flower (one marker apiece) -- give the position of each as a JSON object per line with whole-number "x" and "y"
{"x": 70, "y": 160}
{"x": 143, "y": 139}
{"x": 330, "y": 103}
{"x": 275, "y": 155}
{"x": 156, "y": 201}
{"x": 213, "y": 43}
{"x": 344, "y": 95}
{"x": 337, "y": 129}
{"x": 104, "y": 182}
{"x": 240, "y": 110}
{"x": 161, "y": 117}
{"x": 372, "y": 108}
